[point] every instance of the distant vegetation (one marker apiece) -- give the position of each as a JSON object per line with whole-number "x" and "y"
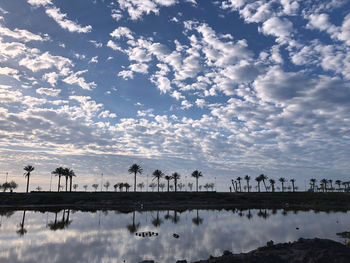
{"x": 173, "y": 183}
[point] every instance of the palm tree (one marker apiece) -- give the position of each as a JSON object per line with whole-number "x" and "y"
{"x": 58, "y": 172}
{"x": 168, "y": 178}
{"x": 196, "y": 174}
{"x": 176, "y": 177}
{"x": 157, "y": 174}
{"x": 75, "y": 186}
{"x": 293, "y": 181}
{"x": 181, "y": 185}
{"x": 263, "y": 178}
{"x": 272, "y": 183}
{"x": 95, "y": 186}
{"x": 331, "y": 181}
{"x": 190, "y": 185}
{"x": 282, "y": 180}
{"x": 135, "y": 169}
{"x": 324, "y": 182}
{"x": 28, "y": 169}
{"x": 239, "y": 182}
{"x": 152, "y": 185}
{"x": 106, "y": 185}
{"x": 162, "y": 185}
{"x": 258, "y": 179}
{"x": 66, "y": 173}
{"x": 70, "y": 176}
{"x": 313, "y": 183}
{"x": 85, "y": 187}
{"x": 127, "y": 186}
{"x": 247, "y": 178}
{"x": 141, "y": 186}
{"x": 338, "y": 182}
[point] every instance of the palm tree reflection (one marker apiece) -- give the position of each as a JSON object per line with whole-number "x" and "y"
{"x": 133, "y": 227}
{"x": 157, "y": 221}
{"x": 197, "y": 220}
{"x": 64, "y": 223}
{"x": 21, "y": 231}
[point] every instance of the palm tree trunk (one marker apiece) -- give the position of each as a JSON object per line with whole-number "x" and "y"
{"x": 282, "y": 187}
{"x": 265, "y": 186}
{"x": 66, "y": 183}
{"x": 197, "y": 184}
{"x": 158, "y": 184}
{"x": 27, "y": 183}
{"x": 168, "y": 185}
{"x": 248, "y": 186}
{"x": 135, "y": 183}
{"x": 59, "y": 182}
{"x": 70, "y": 185}
{"x": 175, "y": 181}
{"x": 259, "y": 187}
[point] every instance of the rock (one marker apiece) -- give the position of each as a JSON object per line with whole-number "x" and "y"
{"x": 301, "y": 251}
{"x": 270, "y": 243}
{"x": 176, "y": 235}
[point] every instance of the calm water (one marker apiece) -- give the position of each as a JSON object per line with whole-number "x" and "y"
{"x": 109, "y": 236}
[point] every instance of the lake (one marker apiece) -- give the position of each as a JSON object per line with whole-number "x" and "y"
{"x": 165, "y": 236}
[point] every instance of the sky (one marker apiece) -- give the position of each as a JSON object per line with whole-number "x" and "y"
{"x": 229, "y": 88}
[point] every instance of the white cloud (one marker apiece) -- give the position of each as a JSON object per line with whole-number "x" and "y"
{"x": 65, "y": 23}
{"x": 74, "y": 78}
{"x": 22, "y": 34}
{"x": 48, "y": 91}
{"x": 280, "y": 28}
{"x": 36, "y": 62}
{"x": 93, "y": 60}
{"x": 39, "y": 2}
{"x": 122, "y": 32}
{"x": 51, "y": 78}
{"x": 9, "y": 72}
{"x": 96, "y": 44}
{"x": 136, "y": 8}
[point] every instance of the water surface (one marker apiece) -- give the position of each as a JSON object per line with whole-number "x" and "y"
{"x": 110, "y": 236}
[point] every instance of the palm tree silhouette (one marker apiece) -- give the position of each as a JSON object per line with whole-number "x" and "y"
{"x": 258, "y": 179}
{"x": 168, "y": 178}
{"x": 157, "y": 174}
{"x": 324, "y": 182}
{"x": 176, "y": 177}
{"x": 196, "y": 174}
{"x": 106, "y": 185}
{"x": 141, "y": 186}
{"x": 58, "y": 172}
{"x": 70, "y": 175}
{"x": 95, "y": 186}
{"x": 338, "y": 182}
{"x": 66, "y": 172}
{"x": 272, "y": 182}
{"x": 190, "y": 185}
{"x": 239, "y": 183}
{"x": 282, "y": 180}
{"x": 135, "y": 169}
{"x": 313, "y": 183}
{"x": 162, "y": 185}
{"x": 263, "y": 178}
{"x": 293, "y": 181}
{"x": 28, "y": 169}
{"x": 331, "y": 181}
{"x": 247, "y": 178}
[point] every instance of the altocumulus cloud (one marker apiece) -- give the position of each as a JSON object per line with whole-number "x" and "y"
{"x": 241, "y": 87}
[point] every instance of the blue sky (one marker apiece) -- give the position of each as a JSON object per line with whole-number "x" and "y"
{"x": 228, "y": 87}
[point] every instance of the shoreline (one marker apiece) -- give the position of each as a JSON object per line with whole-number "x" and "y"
{"x": 174, "y": 201}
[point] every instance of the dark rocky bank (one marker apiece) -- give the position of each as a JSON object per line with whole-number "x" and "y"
{"x": 302, "y": 251}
